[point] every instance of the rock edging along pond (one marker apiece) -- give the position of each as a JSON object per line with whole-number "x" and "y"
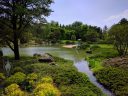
{"x": 81, "y": 64}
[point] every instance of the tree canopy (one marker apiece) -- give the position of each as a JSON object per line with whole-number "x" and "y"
{"x": 16, "y": 15}
{"x": 119, "y": 34}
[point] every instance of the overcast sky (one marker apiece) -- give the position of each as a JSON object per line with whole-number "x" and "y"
{"x": 92, "y": 12}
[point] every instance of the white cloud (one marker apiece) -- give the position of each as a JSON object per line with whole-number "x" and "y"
{"x": 114, "y": 19}
{"x": 123, "y": 14}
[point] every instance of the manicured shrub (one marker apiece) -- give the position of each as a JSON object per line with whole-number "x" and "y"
{"x": 47, "y": 80}
{"x": 14, "y": 90}
{"x": 32, "y": 76}
{"x": 17, "y": 69}
{"x": 30, "y": 82}
{"x": 46, "y": 89}
{"x": 17, "y": 78}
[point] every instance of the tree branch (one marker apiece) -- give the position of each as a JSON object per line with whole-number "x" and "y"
{"x": 9, "y": 45}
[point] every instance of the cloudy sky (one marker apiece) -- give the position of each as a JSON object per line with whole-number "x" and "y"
{"x": 92, "y": 12}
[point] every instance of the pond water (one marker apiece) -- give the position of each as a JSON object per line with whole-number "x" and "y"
{"x": 71, "y": 54}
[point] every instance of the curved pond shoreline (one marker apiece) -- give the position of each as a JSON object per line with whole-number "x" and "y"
{"x": 79, "y": 63}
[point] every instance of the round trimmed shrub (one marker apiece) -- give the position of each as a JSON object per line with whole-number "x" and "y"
{"x": 18, "y": 69}
{"x": 46, "y": 80}
{"x": 32, "y": 76}
{"x": 46, "y": 89}
{"x": 13, "y": 90}
{"x": 17, "y": 78}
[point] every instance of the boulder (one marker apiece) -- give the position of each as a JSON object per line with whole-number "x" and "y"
{"x": 44, "y": 57}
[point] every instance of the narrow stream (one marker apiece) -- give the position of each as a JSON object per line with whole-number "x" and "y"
{"x": 82, "y": 66}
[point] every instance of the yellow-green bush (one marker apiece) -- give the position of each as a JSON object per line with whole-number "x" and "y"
{"x": 14, "y": 90}
{"x": 46, "y": 80}
{"x": 32, "y": 76}
{"x": 46, "y": 89}
{"x": 17, "y": 78}
{"x": 31, "y": 81}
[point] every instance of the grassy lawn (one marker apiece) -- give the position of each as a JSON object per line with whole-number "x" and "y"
{"x": 100, "y": 53}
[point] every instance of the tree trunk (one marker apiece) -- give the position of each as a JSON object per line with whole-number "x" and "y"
{"x": 16, "y": 47}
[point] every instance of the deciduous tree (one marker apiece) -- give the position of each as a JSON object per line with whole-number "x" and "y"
{"x": 16, "y": 15}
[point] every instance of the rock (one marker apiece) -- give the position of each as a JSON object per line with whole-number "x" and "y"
{"x": 44, "y": 57}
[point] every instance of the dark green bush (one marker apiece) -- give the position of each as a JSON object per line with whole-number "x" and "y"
{"x": 17, "y": 78}
{"x": 17, "y": 69}
{"x": 84, "y": 46}
{"x": 114, "y": 79}
{"x": 94, "y": 47}
{"x": 69, "y": 42}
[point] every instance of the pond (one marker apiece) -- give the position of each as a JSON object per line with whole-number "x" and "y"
{"x": 71, "y": 54}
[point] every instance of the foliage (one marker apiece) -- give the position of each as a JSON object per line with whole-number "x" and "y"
{"x": 94, "y": 47}
{"x": 17, "y": 78}
{"x": 115, "y": 79}
{"x": 2, "y": 77}
{"x": 119, "y": 34}
{"x": 17, "y": 69}
{"x": 32, "y": 76}
{"x": 65, "y": 77}
{"x": 100, "y": 52}
{"x": 75, "y": 90}
{"x": 30, "y": 82}
{"x": 16, "y": 16}
{"x": 46, "y": 89}
{"x": 14, "y": 90}
{"x": 84, "y": 46}
{"x": 47, "y": 80}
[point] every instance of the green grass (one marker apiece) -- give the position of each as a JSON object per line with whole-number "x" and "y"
{"x": 99, "y": 54}
{"x": 95, "y": 64}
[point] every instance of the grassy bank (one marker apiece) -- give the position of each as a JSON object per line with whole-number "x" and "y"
{"x": 64, "y": 77}
{"x": 112, "y": 73}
